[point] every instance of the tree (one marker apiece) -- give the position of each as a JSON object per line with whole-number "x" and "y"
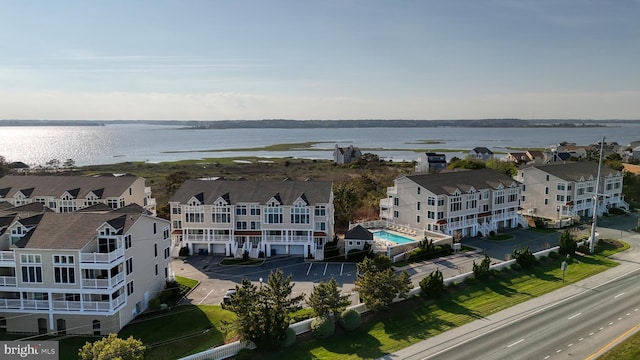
{"x": 53, "y": 164}
{"x": 345, "y": 202}
{"x": 4, "y": 166}
{"x": 525, "y": 257}
{"x": 174, "y": 180}
{"x": 378, "y": 288}
{"x": 567, "y": 244}
{"x": 505, "y": 167}
{"x": 468, "y": 163}
{"x": 433, "y": 285}
{"x": 482, "y": 270}
{"x": 113, "y": 348}
{"x": 325, "y": 299}
{"x": 262, "y": 312}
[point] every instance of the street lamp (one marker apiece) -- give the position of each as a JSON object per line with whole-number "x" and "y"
{"x": 260, "y": 283}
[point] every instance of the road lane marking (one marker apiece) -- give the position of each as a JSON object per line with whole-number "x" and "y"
{"x": 580, "y": 339}
{"x": 574, "y": 316}
{"x": 341, "y": 268}
{"x": 308, "y": 270}
{"x": 515, "y": 343}
{"x": 559, "y": 350}
{"x": 570, "y": 345}
{"x": 325, "y": 269}
{"x": 612, "y": 343}
{"x": 617, "y": 296}
{"x": 546, "y": 357}
{"x": 590, "y": 334}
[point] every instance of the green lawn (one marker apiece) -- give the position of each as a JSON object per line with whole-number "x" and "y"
{"x": 416, "y": 319}
{"x": 189, "y": 283}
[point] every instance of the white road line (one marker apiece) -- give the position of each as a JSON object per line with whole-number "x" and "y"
{"x": 205, "y": 297}
{"x": 546, "y": 357}
{"x": 611, "y": 323}
{"x": 570, "y": 345}
{"x": 619, "y": 318}
{"x": 602, "y": 328}
{"x": 628, "y": 314}
{"x": 574, "y": 316}
{"x": 617, "y": 296}
{"x": 341, "y": 268}
{"x": 559, "y": 350}
{"x": 325, "y": 269}
{"x": 590, "y": 334}
{"x": 515, "y": 343}
{"x": 309, "y": 269}
{"x": 580, "y": 339}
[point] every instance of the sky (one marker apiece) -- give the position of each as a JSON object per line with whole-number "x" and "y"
{"x": 329, "y": 59}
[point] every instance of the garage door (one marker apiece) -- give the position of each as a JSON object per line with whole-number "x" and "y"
{"x": 219, "y": 248}
{"x": 278, "y": 250}
{"x": 296, "y": 249}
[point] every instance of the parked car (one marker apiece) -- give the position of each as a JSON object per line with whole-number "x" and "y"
{"x": 226, "y": 300}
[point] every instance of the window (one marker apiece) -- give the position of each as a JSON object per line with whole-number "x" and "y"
{"x": 499, "y": 199}
{"x": 440, "y": 214}
{"x": 560, "y": 197}
{"x": 177, "y": 224}
{"x": 167, "y": 253}
{"x": 431, "y": 201}
{"x": 194, "y": 217}
{"x": 561, "y": 186}
{"x": 320, "y": 226}
{"x": 129, "y": 265}
{"x": 255, "y": 210}
{"x": 472, "y": 203}
{"x": 546, "y": 190}
{"x": 273, "y": 215}
{"x": 523, "y": 198}
{"x": 320, "y": 210}
{"x": 300, "y": 214}
{"x": 547, "y": 177}
{"x": 241, "y": 225}
{"x": 418, "y": 190}
{"x": 418, "y": 205}
{"x": 127, "y": 241}
{"x": 166, "y": 272}
{"x": 580, "y": 191}
{"x": 155, "y": 250}
{"x": 156, "y": 269}
{"x": 155, "y": 228}
{"x": 130, "y": 288}
{"x": 431, "y": 214}
{"x": 440, "y": 201}
{"x": 396, "y": 214}
{"x": 455, "y": 203}
{"x": 176, "y": 209}
{"x": 524, "y": 187}
{"x": 255, "y": 225}
{"x": 396, "y": 201}
{"x": 512, "y": 197}
{"x": 546, "y": 201}
{"x": 221, "y": 214}
{"x": 241, "y": 210}
{"x": 32, "y": 274}
{"x": 417, "y": 218}
{"x": 64, "y": 271}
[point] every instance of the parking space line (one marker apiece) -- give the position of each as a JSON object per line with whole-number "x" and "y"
{"x": 206, "y": 296}
{"x": 309, "y": 269}
{"x": 325, "y": 269}
{"x": 341, "y": 268}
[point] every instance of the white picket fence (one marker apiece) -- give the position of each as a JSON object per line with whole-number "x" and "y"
{"x": 231, "y": 349}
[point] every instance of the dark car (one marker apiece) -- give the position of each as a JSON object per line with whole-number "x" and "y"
{"x": 226, "y": 300}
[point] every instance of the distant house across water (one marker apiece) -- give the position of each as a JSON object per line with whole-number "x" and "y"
{"x": 431, "y": 162}
{"x": 481, "y": 153}
{"x": 346, "y": 155}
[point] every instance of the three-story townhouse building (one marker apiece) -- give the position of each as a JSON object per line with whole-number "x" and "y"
{"x": 72, "y": 193}
{"x": 80, "y": 273}
{"x": 559, "y": 191}
{"x": 263, "y": 218}
{"x": 456, "y": 203}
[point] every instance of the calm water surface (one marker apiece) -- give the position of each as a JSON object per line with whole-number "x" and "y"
{"x": 157, "y": 143}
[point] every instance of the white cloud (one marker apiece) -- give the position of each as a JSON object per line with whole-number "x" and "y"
{"x": 220, "y": 106}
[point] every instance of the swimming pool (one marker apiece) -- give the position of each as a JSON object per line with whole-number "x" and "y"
{"x": 392, "y": 237}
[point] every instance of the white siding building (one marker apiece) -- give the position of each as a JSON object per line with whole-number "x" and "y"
{"x": 79, "y": 273}
{"x": 72, "y": 193}
{"x": 560, "y": 191}
{"x": 457, "y": 203}
{"x": 259, "y": 217}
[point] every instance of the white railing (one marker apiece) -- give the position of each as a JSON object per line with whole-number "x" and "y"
{"x": 67, "y": 305}
{"x": 10, "y": 304}
{"x": 102, "y": 258}
{"x": 7, "y": 256}
{"x": 35, "y": 304}
{"x": 103, "y": 283}
{"x": 300, "y": 239}
{"x": 8, "y": 281}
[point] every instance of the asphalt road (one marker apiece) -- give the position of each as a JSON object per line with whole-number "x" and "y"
{"x": 579, "y": 321}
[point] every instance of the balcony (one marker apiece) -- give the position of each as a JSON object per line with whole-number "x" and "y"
{"x": 7, "y": 256}
{"x": 103, "y": 283}
{"x": 102, "y": 258}
{"x": 8, "y": 281}
{"x": 63, "y": 305}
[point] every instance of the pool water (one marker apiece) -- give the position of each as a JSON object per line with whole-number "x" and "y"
{"x": 392, "y": 237}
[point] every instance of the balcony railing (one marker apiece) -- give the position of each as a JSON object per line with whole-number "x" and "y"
{"x": 102, "y": 258}
{"x": 35, "y": 304}
{"x": 11, "y": 304}
{"x": 8, "y": 281}
{"x": 7, "y": 256}
{"x": 63, "y": 305}
{"x": 200, "y": 238}
{"x": 103, "y": 283}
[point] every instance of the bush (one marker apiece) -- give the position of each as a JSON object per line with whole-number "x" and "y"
{"x": 154, "y": 304}
{"x": 184, "y": 251}
{"x": 525, "y": 257}
{"x": 539, "y": 223}
{"x": 245, "y": 256}
{"x": 290, "y": 338}
{"x": 553, "y": 255}
{"x": 516, "y": 267}
{"x": 568, "y": 246}
{"x": 481, "y": 271}
{"x": 323, "y": 327}
{"x": 433, "y": 285}
{"x": 355, "y": 255}
{"x": 350, "y": 319}
{"x": 261, "y": 254}
{"x": 300, "y": 315}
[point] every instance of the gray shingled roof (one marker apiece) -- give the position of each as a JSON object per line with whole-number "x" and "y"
{"x": 573, "y": 171}
{"x": 482, "y": 150}
{"x": 359, "y": 233}
{"x": 71, "y": 230}
{"x": 246, "y": 191}
{"x": 50, "y": 185}
{"x": 445, "y": 183}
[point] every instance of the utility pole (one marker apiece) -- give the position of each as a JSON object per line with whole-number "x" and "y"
{"x": 592, "y": 244}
